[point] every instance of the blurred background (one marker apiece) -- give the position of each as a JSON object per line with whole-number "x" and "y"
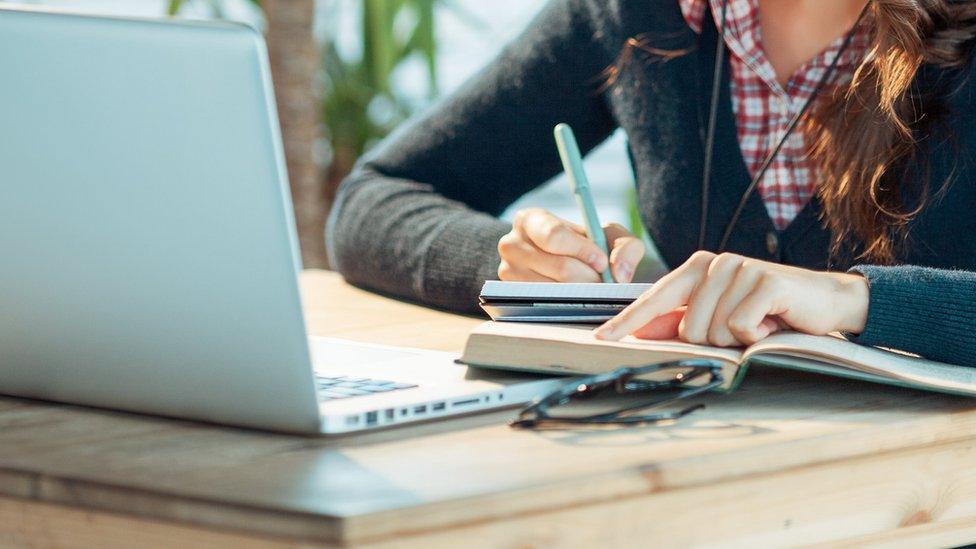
{"x": 348, "y": 71}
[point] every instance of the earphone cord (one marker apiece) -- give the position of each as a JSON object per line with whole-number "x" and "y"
{"x": 710, "y": 144}
{"x": 712, "y": 116}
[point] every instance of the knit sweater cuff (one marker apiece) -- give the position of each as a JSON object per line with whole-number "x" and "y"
{"x": 920, "y": 310}
{"x": 462, "y": 256}
{"x": 887, "y": 314}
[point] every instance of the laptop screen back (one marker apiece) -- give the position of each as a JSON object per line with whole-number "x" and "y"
{"x": 148, "y": 251}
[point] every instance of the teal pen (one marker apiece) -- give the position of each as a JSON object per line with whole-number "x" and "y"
{"x": 578, "y": 183}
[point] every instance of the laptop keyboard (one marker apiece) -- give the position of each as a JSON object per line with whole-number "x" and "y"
{"x": 339, "y": 387}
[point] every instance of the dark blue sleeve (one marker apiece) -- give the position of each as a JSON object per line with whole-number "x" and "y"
{"x": 929, "y": 312}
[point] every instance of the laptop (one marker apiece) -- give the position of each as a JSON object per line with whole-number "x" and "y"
{"x": 149, "y": 256}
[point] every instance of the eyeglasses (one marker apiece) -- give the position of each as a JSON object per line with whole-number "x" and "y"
{"x": 681, "y": 379}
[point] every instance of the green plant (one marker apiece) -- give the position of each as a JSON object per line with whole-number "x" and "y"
{"x": 361, "y": 105}
{"x": 173, "y": 7}
{"x": 634, "y": 214}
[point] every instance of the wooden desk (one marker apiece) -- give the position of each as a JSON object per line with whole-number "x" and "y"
{"x": 789, "y": 459}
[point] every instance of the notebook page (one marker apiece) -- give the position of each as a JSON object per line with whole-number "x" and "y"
{"x": 565, "y": 349}
{"x": 582, "y": 337}
{"x": 837, "y": 351}
{"x": 565, "y": 291}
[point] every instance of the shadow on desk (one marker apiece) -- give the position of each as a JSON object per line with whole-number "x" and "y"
{"x": 767, "y": 398}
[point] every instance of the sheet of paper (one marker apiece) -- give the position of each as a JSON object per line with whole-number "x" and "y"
{"x": 563, "y": 291}
{"x": 880, "y": 362}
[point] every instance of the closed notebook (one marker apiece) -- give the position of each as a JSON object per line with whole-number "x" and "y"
{"x": 587, "y": 303}
{"x": 572, "y": 349}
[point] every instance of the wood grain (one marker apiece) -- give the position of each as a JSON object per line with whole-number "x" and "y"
{"x": 789, "y": 458}
{"x": 41, "y": 525}
{"x": 336, "y": 309}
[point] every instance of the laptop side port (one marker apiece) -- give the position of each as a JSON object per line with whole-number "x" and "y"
{"x": 438, "y": 407}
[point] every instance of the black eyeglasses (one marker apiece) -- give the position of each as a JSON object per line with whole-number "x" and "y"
{"x": 687, "y": 378}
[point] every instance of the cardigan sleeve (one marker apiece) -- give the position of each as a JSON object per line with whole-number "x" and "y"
{"x": 417, "y": 217}
{"x": 930, "y": 312}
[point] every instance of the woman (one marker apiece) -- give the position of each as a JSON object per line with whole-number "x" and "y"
{"x": 824, "y": 181}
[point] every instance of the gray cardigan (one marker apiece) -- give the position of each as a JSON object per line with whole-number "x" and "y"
{"x": 417, "y": 218}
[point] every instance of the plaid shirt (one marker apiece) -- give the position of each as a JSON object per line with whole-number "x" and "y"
{"x": 763, "y": 107}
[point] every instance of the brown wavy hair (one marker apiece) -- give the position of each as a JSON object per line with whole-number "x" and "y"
{"x": 864, "y": 135}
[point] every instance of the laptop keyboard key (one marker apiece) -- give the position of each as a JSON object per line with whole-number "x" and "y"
{"x": 377, "y": 388}
{"x": 348, "y": 391}
{"x": 339, "y": 387}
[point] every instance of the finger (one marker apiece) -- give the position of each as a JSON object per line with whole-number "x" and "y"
{"x": 564, "y": 269}
{"x": 772, "y": 324}
{"x": 626, "y": 251}
{"x": 578, "y": 229}
{"x": 744, "y": 281}
{"x": 613, "y": 231}
{"x": 555, "y": 236}
{"x": 513, "y": 274}
{"x": 555, "y": 267}
{"x": 668, "y": 294}
{"x": 747, "y": 321}
{"x": 662, "y": 327}
{"x": 701, "y": 305}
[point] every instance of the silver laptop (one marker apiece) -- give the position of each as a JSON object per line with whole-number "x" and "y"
{"x": 148, "y": 257}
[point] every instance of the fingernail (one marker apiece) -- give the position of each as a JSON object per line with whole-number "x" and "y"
{"x": 597, "y": 262}
{"x": 624, "y": 272}
{"x": 604, "y": 332}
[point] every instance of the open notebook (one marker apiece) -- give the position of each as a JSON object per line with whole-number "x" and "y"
{"x": 572, "y": 349}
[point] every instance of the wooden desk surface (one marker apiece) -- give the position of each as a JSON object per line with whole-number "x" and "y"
{"x": 790, "y": 458}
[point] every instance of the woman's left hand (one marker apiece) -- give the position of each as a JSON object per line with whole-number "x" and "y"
{"x": 729, "y": 300}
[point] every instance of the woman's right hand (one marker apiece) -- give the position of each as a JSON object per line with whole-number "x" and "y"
{"x": 544, "y": 248}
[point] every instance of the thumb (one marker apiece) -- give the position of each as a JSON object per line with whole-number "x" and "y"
{"x": 626, "y": 252}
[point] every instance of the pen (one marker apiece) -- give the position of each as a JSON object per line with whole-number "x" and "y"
{"x": 580, "y": 186}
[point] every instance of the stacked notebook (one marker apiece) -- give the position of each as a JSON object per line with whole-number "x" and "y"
{"x": 570, "y": 348}
{"x": 551, "y": 302}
